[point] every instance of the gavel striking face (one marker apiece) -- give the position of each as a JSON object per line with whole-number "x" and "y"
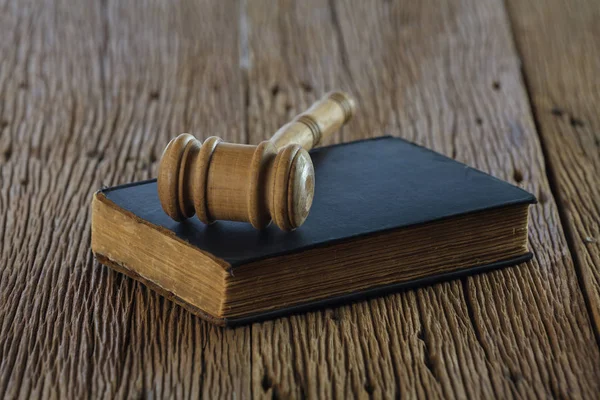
{"x": 237, "y": 182}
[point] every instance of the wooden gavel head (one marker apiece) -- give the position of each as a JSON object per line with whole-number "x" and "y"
{"x": 236, "y": 182}
{"x": 272, "y": 181}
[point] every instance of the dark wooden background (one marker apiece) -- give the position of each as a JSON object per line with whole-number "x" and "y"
{"x": 91, "y": 92}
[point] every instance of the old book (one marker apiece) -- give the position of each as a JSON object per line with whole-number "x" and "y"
{"x": 387, "y": 215}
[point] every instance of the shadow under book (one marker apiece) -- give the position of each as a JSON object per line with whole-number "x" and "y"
{"x": 387, "y": 215}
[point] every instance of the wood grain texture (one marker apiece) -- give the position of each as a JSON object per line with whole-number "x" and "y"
{"x": 446, "y": 76}
{"x": 90, "y": 93}
{"x": 558, "y": 43}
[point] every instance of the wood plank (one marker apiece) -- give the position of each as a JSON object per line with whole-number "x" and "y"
{"x": 558, "y": 42}
{"x": 447, "y": 76}
{"x": 90, "y": 93}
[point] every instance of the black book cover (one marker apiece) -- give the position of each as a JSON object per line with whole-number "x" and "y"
{"x": 361, "y": 188}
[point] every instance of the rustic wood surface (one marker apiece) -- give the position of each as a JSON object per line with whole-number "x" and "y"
{"x": 91, "y": 92}
{"x": 558, "y": 42}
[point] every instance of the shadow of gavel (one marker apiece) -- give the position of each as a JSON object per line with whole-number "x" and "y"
{"x": 237, "y": 182}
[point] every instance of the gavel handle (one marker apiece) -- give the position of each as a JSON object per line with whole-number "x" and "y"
{"x": 314, "y": 125}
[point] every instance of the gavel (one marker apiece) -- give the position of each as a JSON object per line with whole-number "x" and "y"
{"x": 239, "y": 182}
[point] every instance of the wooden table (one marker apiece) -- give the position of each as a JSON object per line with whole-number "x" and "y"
{"x": 91, "y": 91}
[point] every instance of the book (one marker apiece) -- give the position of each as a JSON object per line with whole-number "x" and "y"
{"x": 387, "y": 215}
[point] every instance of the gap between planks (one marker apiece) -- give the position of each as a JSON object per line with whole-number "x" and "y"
{"x": 519, "y": 13}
